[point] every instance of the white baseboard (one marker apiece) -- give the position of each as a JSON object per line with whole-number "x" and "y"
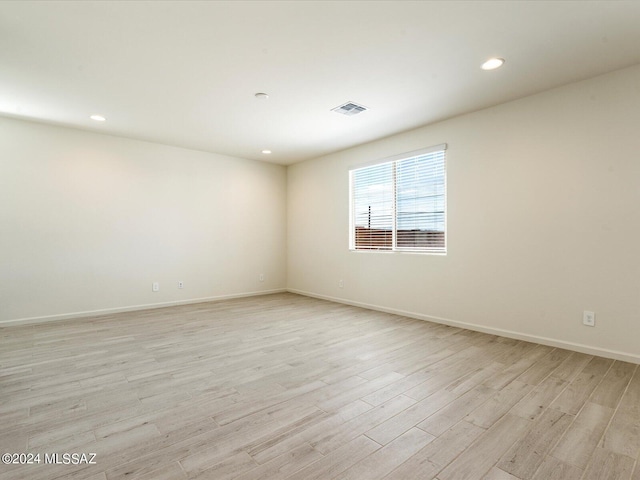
{"x": 131, "y": 308}
{"x": 551, "y": 342}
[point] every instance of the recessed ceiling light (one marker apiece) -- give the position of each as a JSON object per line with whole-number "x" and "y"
{"x": 266, "y": 152}
{"x": 493, "y": 63}
{"x": 261, "y": 96}
{"x": 98, "y": 118}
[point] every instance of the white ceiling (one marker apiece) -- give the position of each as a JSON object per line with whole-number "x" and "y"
{"x": 185, "y": 73}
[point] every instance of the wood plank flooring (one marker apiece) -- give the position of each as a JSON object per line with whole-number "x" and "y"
{"x": 289, "y": 387}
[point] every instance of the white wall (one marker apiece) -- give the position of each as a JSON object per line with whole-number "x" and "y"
{"x": 89, "y": 221}
{"x": 543, "y": 221}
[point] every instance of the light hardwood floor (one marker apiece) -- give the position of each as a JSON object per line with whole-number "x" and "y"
{"x": 284, "y": 386}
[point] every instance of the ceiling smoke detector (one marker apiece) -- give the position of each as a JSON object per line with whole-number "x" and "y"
{"x": 349, "y": 109}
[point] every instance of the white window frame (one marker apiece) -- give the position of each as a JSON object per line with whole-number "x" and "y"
{"x": 394, "y": 248}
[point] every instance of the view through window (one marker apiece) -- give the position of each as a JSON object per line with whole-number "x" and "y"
{"x": 400, "y": 204}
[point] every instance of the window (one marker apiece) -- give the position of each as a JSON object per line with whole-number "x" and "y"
{"x": 400, "y": 203}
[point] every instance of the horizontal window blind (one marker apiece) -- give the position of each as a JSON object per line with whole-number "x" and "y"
{"x": 373, "y": 204}
{"x": 401, "y": 204}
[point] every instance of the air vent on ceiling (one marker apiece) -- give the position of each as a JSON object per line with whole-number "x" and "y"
{"x": 349, "y": 109}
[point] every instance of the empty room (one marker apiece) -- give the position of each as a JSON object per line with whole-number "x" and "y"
{"x": 320, "y": 240}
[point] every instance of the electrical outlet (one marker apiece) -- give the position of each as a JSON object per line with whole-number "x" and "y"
{"x": 589, "y": 319}
{"x": 155, "y": 287}
{"x": 180, "y": 284}
{"x": 341, "y": 283}
{"x": 261, "y": 277}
